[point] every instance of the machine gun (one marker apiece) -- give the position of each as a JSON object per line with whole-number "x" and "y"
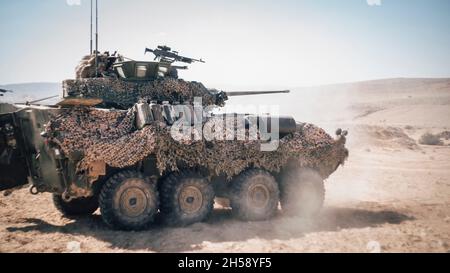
{"x": 166, "y": 54}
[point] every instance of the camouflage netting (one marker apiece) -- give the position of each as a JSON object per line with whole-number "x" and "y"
{"x": 125, "y": 94}
{"x": 109, "y": 136}
{"x": 86, "y": 67}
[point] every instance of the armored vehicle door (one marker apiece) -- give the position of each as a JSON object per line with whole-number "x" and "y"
{"x": 13, "y": 165}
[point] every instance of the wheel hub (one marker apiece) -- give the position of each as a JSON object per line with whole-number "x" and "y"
{"x": 258, "y": 196}
{"x": 190, "y": 199}
{"x": 133, "y": 202}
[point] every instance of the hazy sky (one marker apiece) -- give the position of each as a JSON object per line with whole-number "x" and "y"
{"x": 245, "y": 43}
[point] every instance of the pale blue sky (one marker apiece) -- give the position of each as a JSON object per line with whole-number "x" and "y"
{"x": 245, "y": 43}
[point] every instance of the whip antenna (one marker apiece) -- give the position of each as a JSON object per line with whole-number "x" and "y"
{"x": 90, "y": 51}
{"x": 96, "y": 38}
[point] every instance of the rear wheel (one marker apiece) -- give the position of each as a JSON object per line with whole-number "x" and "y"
{"x": 128, "y": 201}
{"x": 254, "y": 195}
{"x": 302, "y": 192}
{"x": 76, "y": 207}
{"x": 186, "y": 198}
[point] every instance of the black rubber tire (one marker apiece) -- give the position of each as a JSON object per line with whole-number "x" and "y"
{"x": 76, "y": 207}
{"x": 119, "y": 192}
{"x": 302, "y": 192}
{"x": 243, "y": 206}
{"x": 174, "y": 211}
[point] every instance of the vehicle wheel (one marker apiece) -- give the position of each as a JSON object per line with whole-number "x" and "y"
{"x": 302, "y": 192}
{"x": 186, "y": 198}
{"x": 128, "y": 201}
{"x": 76, "y": 207}
{"x": 254, "y": 195}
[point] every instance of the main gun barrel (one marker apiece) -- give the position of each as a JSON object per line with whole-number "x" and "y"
{"x": 250, "y": 93}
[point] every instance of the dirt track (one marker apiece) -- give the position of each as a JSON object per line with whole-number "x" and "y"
{"x": 393, "y": 195}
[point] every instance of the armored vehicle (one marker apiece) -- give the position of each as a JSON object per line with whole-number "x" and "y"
{"x": 132, "y": 139}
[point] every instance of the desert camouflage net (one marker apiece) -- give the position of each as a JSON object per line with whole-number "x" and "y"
{"x": 87, "y": 69}
{"x": 125, "y": 94}
{"x": 109, "y": 136}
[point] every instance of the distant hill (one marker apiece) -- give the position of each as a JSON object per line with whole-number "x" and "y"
{"x": 23, "y": 92}
{"x": 396, "y": 85}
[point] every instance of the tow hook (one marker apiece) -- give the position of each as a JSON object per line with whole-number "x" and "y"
{"x": 34, "y": 190}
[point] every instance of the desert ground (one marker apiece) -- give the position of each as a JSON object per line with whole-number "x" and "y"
{"x": 392, "y": 195}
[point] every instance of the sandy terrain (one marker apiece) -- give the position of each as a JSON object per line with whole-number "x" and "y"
{"x": 393, "y": 195}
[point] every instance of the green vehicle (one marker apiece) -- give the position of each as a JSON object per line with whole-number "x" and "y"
{"x": 111, "y": 144}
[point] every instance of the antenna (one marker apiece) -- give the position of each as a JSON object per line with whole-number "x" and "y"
{"x": 96, "y": 38}
{"x": 90, "y": 52}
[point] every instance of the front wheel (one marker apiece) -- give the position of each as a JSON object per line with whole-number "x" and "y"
{"x": 129, "y": 201}
{"x": 254, "y": 195}
{"x": 302, "y": 192}
{"x": 76, "y": 207}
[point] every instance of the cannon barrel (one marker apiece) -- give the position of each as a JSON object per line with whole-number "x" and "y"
{"x": 250, "y": 93}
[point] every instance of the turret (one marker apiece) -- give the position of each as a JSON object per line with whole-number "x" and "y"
{"x": 121, "y": 82}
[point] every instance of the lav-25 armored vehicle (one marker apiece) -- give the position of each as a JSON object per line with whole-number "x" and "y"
{"x": 113, "y": 142}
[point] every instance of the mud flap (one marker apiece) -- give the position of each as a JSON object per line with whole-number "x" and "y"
{"x": 13, "y": 165}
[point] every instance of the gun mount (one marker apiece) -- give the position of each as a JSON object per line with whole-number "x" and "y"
{"x": 115, "y": 66}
